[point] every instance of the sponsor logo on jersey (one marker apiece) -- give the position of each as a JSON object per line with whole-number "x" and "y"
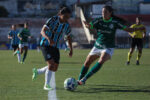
{"x": 48, "y": 56}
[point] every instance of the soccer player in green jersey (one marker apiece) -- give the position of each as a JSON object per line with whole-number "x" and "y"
{"x": 103, "y": 49}
{"x": 23, "y": 44}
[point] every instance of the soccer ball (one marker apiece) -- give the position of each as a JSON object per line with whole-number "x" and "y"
{"x": 70, "y": 84}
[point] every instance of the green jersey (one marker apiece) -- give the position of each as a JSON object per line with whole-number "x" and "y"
{"x": 106, "y": 30}
{"x": 24, "y": 34}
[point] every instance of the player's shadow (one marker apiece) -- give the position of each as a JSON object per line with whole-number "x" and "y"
{"x": 114, "y": 88}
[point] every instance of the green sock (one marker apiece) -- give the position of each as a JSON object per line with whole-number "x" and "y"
{"x": 24, "y": 56}
{"x": 93, "y": 70}
{"x": 83, "y": 72}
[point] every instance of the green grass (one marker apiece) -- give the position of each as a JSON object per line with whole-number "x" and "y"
{"x": 114, "y": 81}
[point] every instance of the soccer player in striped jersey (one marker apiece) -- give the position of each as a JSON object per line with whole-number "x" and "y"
{"x": 53, "y": 30}
{"x": 103, "y": 49}
{"x": 24, "y": 35}
{"x": 137, "y": 40}
{"x": 14, "y": 41}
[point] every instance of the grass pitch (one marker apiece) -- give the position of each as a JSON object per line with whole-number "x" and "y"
{"x": 115, "y": 80}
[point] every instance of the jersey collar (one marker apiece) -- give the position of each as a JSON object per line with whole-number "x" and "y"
{"x": 107, "y": 20}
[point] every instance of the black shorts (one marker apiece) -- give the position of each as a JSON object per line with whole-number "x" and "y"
{"x": 137, "y": 42}
{"x": 15, "y": 46}
{"x": 51, "y": 53}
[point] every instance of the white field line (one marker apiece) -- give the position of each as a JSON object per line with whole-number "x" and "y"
{"x": 87, "y": 32}
{"x": 52, "y": 93}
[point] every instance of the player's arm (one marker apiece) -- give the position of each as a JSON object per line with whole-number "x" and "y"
{"x": 120, "y": 25}
{"x": 43, "y": 33}
{"x": 92, "y": 24}
{"x": 19, "y": 35}
{"x": 29, "y": 35}
{"x": 144, "y": 33}
{"x": 10, "y": 35}
{"x": 128, "y": 29}
{"x": 70, "y": 45}
{"x": 131, "y": 33}
{"x": 87, "y": 24}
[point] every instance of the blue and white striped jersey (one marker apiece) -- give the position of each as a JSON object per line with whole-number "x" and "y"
{"x": 15, "y": 39}
{"x": 56, "y": 31}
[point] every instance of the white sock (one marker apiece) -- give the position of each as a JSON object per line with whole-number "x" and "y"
{"x": 48, "y": 75}
{"x": 42, "y": 70}
{"x": 19, "y": 57}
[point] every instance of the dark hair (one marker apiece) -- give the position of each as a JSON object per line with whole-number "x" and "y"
{"x": 64, "y": 10}
{"x": 110, "y": 9}
{"x": 26, "y": 23}
{"x": 140, "y": 18}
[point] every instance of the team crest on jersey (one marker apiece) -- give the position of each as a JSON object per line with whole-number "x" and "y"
{"x": 111, "y": 26}
{"x": 48, "y": 56}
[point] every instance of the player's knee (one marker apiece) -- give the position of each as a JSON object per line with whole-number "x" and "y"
{"x": 87, "y": 63}
{"x": 103, "y": 60}
{"x": 131, "y": 51}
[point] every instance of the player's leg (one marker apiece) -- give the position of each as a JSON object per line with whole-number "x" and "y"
{"x": 139, "y": 54}
{"x": 133, "y": 44}
{"x": 25, "y": 53}
{"x": 48, "y": 74}
{"x": 89, "y": 60}
{"x": 14, "y": 49}
{"x": 46, "y": 54}
{"x": 92, "y": 56}
{"x": 105, "y": 55}
{"x": 103, "y": 58}
{"x": 53, "y": 64}
{"x": 21, "y": 47}
{"x": 18, "y": 54}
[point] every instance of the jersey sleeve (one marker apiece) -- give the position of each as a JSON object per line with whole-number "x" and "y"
{"x": 131, "y": 33}
{"x": 68, "y": 31}
{"x": 49, "y": 21}
{"x": 10, "y": 33}
{"x": 120, "y": 25}
{"x": 94, "y": 23}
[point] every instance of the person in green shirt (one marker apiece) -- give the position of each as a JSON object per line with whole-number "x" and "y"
{"x": 103, "y": 49}
{"x": 24, "y": 35}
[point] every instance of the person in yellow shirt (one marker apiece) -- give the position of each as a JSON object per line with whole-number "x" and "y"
{"x": 137, "y": 40}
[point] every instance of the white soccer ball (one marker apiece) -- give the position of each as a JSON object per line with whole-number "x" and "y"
{"x": 70, "y": 84}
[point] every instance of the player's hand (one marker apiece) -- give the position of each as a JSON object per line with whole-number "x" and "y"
{"x": 87, "y": 24}
{"x": 144, "y": 35}
{"x": 133, "y": 36}
{"x": 20, "y": 38}
{"x": 70, "y": 53}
